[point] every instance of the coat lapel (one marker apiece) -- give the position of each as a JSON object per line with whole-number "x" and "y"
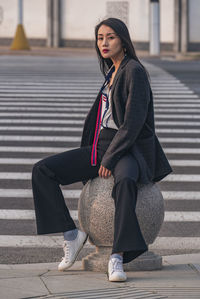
{"x": 117, "y": 75}
{"x": 122, "y": 65}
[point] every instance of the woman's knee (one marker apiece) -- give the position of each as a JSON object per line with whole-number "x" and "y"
{"x": 41, "y": 168}
{"x": 124, "y": 183}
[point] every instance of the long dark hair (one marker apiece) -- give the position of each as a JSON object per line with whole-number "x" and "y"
{"x": 121, "y": 30}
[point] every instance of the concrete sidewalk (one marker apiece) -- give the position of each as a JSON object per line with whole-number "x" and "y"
{"x": 179, "y": 278}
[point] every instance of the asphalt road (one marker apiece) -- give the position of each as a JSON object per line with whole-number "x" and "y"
{"x": 37, "y": 95}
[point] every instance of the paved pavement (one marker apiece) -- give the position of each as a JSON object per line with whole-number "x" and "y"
{"x": 178, "y": 279}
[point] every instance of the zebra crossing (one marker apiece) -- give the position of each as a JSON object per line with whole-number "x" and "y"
{"x": 43, "y": 104}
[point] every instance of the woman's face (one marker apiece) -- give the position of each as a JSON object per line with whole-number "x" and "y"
{"x": 109, "y": 44}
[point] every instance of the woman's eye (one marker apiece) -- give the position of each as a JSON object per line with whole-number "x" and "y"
{"x": 100, "y": 38}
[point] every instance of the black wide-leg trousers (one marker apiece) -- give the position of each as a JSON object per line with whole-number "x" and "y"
{"x": 52, "y": 214}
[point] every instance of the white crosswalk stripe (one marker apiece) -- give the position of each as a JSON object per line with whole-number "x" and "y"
{"x": 41, "y": 116}
{"x": 175, "y": 216}
{"x": 31, "y": 161}
{"x": 169, "y": 178}
{"x": 43, "y": 241}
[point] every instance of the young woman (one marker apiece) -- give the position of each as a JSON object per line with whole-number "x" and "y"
{"x": 118, "y": 139}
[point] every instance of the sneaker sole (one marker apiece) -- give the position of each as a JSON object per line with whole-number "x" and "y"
{"x": 115, "y": 280}
{"x": 75, "y": 255}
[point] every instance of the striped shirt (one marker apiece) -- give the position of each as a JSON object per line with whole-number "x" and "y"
{"x": 101, "y": 109}
{"x": 106, "y": 114}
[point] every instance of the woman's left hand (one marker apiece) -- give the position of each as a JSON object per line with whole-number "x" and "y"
{"x": 104, "y": 172}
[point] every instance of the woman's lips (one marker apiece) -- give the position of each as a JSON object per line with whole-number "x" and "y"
{"x": 105, "y": 51}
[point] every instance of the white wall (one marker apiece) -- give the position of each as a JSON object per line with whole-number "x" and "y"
{"x": 35, "y": 18}
{"x": 80, "y": 17}
{"x": 194, "y": 20}
{"x": 139, "y": 20}
{"x": 9, "y": 20}
{"x": 167, "y": 21}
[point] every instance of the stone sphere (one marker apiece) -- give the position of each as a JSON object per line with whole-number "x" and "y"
{"x": 96, "y": 211}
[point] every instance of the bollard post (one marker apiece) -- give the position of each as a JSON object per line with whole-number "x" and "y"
{"x": 20, "y": 41}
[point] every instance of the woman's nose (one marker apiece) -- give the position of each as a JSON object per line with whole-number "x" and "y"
{"x": 105, "y": 42}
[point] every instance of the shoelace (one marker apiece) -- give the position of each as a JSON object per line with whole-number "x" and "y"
{"x": 66, "y": 250}
{"x": 117, "y": 265}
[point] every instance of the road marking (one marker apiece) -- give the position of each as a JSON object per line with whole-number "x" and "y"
{"x": 40, "y": 138}
{"x": 31, "y": 161}
{"x": 174, "y": 96}
{"x": 174, "y": 243}
{"x": 43, "y": 241}
{"x": 46, "y": 129}
{"x": 194, "y": 163}
{"x": 170, "y": 216}
{"x": 63, "y": 149}
{"x": 54, "y": 96}
{"x": 182, "y": 178}
{"x": 26, "y": 149}
{"x": 183, "y": 116}
{"x": 6, "y": 214}
{"x": 192, "y": 131}
{"x": 18, "y": 161}
{"x": 179, "y": 140}
{"x": 167, "y": 195}
{"x": 181, "y": 195}
{"x": 170, "y": 92}
{"x": 176, "y": 123}
{"x": 23, "y": 193}
{"x": 78, "y": 139}
{"x": 177, "y": 105}
{"x": 181, "y": 216}
{"x": 177, "y": 110}
{"x": 85, "y": 109}
{"x": 81, "y": 122}
{"x": 169, "y": 178}
{"x": 70, "y": 109}
{"x": 194, "y": 151}
{"x": 56, "y": 92}
{"x": 176, "y": 116}
{"x": 177, "y": 101}
{"x": 35, "y": 149}
{"x": 43, "y": 114}
{"x": 84, "y": 99}
{"x": 41, "y": 121}
{"x": 64, "y": 104}
{"x": 85, "y": 90}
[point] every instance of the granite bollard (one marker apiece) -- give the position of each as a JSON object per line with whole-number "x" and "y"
{"x": 96, "y": 217}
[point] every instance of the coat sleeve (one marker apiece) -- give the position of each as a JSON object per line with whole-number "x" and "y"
{"x": 136, "y": 110}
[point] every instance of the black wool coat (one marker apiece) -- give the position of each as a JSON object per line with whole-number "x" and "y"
{"x": 133, "y": 113}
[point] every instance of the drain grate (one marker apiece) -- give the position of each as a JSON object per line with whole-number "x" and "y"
{"x": 115, "y": 293}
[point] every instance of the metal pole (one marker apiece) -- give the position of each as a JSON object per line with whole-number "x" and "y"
{"x": 184, "y": 26}
{"x": 154, "y": 27}
{"x": 177, "y": 25}
{"x": 20, "y": 11}
{"x": 56, "y": 23}
{"x": 49, "y": 23}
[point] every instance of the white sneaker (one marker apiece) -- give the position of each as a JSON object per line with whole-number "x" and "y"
{"x": 71, "y": 250}
{"x": 115, "y": 270}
